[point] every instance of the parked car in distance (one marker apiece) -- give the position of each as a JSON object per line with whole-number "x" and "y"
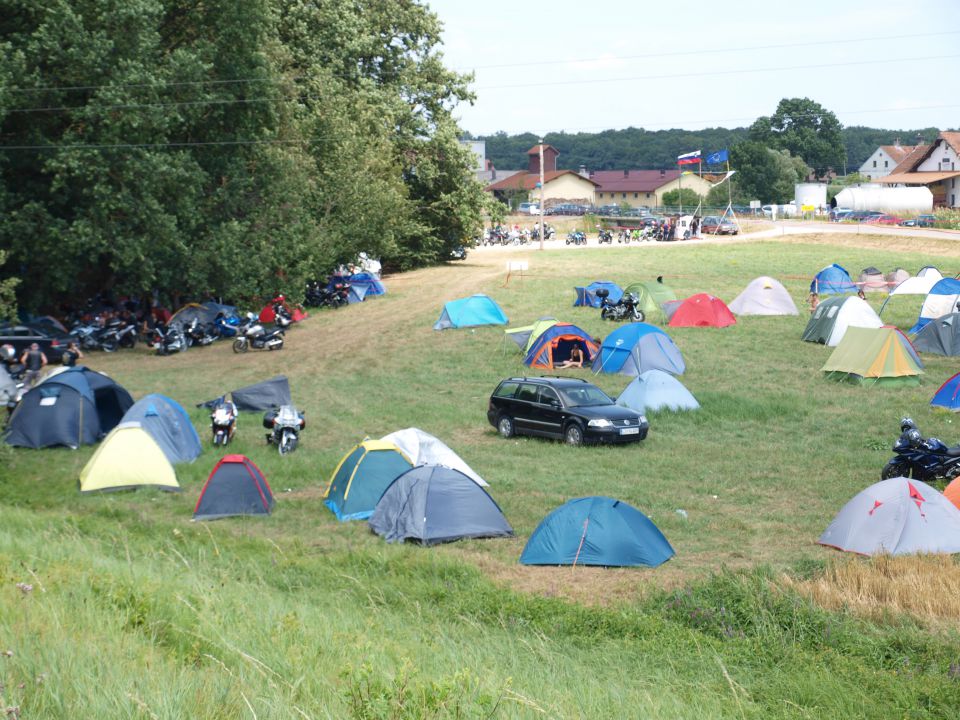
{"x": 528, "y": 208}
{"x": 884, "y": 220}
{"x": 920, "y": 221}
{"x": 838, "y": 214}
{"x": 51, "y": 341}
{"x": 613, "y": 210}
{"x": 713, "y": 225}
{"x": 458, "y": 253}
{"x": 568, "y": 409}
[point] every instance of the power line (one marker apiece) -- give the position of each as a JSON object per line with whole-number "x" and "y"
{"x": 157, "y": 145}
{"x": 132, "y": 106}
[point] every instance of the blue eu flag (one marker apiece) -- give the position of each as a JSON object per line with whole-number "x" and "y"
{"x": 717, "y": 158}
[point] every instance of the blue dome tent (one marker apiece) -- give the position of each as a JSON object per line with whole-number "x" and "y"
{"x": 948, "y": 395}
{"x": 371, "y": 283}
{"x": 168, "y": 424}
{"x": 832, "y": 280}
{"x": 555, "y": 344}
{"x": 597, "y": 531}
{"x": 469, "y": 312}
{"x": 942, "y": 299}
{"x": 587, "y": 296}
{"x": 636, "y": 348}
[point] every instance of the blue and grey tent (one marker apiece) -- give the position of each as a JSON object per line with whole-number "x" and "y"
{"x": 832, "y": 280}
{"x": 362, "y": 476}
{"x": 656, "y": 390}
{"x": 470, "y": 312}
{"x": 597, "y": 531}
{"x": 636, "y": 348}
{"x": 587, "y": 296}
{"x": 235, "y": 487}
{"x": 943, "y": 299}
{"x": 168, "y": 424}
{"x": 436, "y": 504}
{"x": 948, "y": 395}
{"x": 75, "y": 407}
{"x": 371, "y": 283}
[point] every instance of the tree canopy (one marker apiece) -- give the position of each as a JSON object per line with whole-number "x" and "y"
{"x": 807, "y": 130}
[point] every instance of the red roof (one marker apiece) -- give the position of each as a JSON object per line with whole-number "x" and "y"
{"x": 897, "y": 152}
{"x": 535, "y": 150}
{"x": 528, "y": 181}
{"x": 633, "y": 180}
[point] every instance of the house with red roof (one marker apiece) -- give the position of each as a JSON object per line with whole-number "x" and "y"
{"x": 936, "y": 166}
{"x": 644, "y": 188}
{"x": 884, "y": 159}
{"x": 559, "y": 186}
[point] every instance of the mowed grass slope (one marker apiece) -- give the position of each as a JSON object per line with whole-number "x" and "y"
{"x": 137, "y": 612}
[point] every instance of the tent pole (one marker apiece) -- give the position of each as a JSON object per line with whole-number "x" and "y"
{"x": 582, "y": 538}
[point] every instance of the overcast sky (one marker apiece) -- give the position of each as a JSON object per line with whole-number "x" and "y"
{"x": 586, "y": 67}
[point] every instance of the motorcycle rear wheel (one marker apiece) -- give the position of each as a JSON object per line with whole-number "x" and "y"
{"x": 895, "y": 468}
{"x": 109, "y": 345}
{"x": 128, "y": 341}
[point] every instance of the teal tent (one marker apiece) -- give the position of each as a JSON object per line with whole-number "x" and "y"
{"x": 362, "y": 476}
{"x": 470, "y": 312}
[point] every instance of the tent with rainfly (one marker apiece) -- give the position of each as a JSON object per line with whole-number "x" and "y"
{"x": 597, "y": 531}
{"x": 895, "y": 277}
{"x": 650, "y": 298}
{"x": 872, "y": 280}
{"x": 943, "y": 299}
{"x": 656, "y": 390}
{"x": 635, "y": 348}
{"x": 422, "y": 448}
{"x": 470, "y": 311}
{"x": 764, "y": 296}
{"x": 75, "y": 407}
{"x": 940, "y": 336}
{"x": 948, "y": 394}
{"x": 919, "y": 285}
{"x": 587, "y": 296}
{"x": 436, "y": 504}
{"x": 832, "y": 318}
{"x": 361, "y": 477}
{"x": 235, "y": 487}
{"x": 896, "y": 517}
{"x": 875, "y": 356}
{"x": 168, "y": 424}
{"x": 526, "y": 335}
{"x": 702, "y": 310}
{"x": 555, "y": 344}
{"x": 371, "y": 284}
{"x": 128, "y": 458}
{"x": 832, "y": 280}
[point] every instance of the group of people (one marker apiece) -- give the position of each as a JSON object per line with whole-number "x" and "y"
{"x": 34, "y": 360}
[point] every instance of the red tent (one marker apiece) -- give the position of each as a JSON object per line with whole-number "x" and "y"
{"x": 267, "y": 315}
{"x": 702, "y": 310}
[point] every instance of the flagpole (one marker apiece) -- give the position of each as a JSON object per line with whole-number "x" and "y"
{"x": 680, "y": 187}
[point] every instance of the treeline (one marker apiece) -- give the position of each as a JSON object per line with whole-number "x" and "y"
{"x": 223, "y": 148}
{"x": 639, "y": 148}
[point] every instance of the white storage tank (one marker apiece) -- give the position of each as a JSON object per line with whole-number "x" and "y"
{"x": 814, "y": 194}
{"x": 887, "y": 199}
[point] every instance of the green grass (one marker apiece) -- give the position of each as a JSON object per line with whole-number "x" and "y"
{"x": 137, "y": 612}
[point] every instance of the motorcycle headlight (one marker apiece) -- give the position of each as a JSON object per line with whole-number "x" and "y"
{"x": 600, "y": 423}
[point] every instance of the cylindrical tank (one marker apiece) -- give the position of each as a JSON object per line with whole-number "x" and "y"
{"x": 814, "y": 194}
{"x": 888, "y": 199}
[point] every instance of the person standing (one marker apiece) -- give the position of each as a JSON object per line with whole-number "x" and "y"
{"x": 34, "y": 360}
{"x": 71, "y": 355}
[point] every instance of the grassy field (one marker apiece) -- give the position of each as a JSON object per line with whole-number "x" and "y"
{"x": 119, "y": 606}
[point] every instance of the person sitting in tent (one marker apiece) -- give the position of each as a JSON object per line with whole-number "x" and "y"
{"x": 575, "y": 359}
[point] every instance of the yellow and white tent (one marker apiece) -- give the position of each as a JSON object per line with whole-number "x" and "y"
{"x": 128, "y": 458}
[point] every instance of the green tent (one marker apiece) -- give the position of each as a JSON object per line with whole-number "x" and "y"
{"x": 875, "y": 356}
{"x": 651, "y": 296}
{"x": 526, "y": 336}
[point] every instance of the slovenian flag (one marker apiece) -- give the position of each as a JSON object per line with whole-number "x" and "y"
{"x": 717, "y": 158}
{"x": 690, "y": 158}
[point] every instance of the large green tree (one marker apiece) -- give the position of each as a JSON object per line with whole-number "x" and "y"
{"x": 807, "y": 130}
{"x": 761, "y": 174}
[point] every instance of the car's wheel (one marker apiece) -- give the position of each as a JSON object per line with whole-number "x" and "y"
{"x": 505, "y": 426}
{"x": 573, "y": 435}
{"x": 894, "y": 469}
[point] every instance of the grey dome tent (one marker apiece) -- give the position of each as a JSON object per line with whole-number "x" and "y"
{"x": 940, "y": 336}
{"x": 264, "y": 395}
{"x": 435, "y": 504}
{"x": 656, "y": 390}
{"x": 872, "y": 280}
{"x": 897, "y": 517}
{"x": 235, "y": 487}
{"x": 169, "y": 425}
{"x": 75, "y": 407}
{"x": 764, "y": 296}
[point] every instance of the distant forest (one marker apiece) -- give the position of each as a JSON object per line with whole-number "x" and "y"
{"x": 638, "y": 148}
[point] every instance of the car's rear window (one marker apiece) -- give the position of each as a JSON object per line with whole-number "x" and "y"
{"x": 585, "y": 396}
{"x": 506, "y": 389}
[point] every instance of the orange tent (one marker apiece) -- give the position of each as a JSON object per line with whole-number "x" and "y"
{"x": 952, "y": 492}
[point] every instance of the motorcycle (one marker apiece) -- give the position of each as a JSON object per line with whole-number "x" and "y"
{"x": 605, "y": 236}
{"x": 921, "y": 458}
{"x": 548, "y": 233}
{"x": 577, "y": 237}
{"x": 255, "y": 336}
{"x": 127, "y": 334}
{"x": 226, "y": 326}
{"x": 169, "y": 340}
{"x": 87, "y": 336}
{"x": 282, "y": 317}
{"x": 624, "y": 236}
{"x": 285, "y": 425}
{"x": 198, "y": 333}
{"x": 332, "y": 295}
{"x": 223, "y": 422}
{"x": 626, "y": 308}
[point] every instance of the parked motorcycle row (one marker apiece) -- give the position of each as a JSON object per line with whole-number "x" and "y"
{"x": 284, "y": 423}
{"x": 334, "y": 293}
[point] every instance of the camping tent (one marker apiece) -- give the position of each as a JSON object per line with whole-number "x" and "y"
{"x": 554, "y": 345}
{"x": 75, "y": 407}
{"x": 356, "y": 294}
{"x": 650, "y": 296}
{"x": 587, "y": 296}
{"x": 361, "y": 477}
{"x": 656, "y": 390}
{"x": 371, "y": 284}
{"x": 896, "y": 277}
{"x": 702, "y": 310}
{"x": 526, "y": 335}
{"x": 943, "y": 299}
{"x": 205, "y": 312}
{"x": 764, "y": 296}
{"x": 8, "y": 388}
{"x": 895, "y": 517}
{"x": 469, "y": 312}
{"x": 919, "y": 285}
{"x": 952, "y": 492}
{"x": 128, "y": 458}
{"x": 435, "y": 504}
{"x": 596, "y": 531}
{"x": 268, "y": 315}
{"x": 940, "y": 336}
{"x": 168, "y": 424}
{"x": 235, "y": 487}
{"x": 948, "y": 395}
{"x": 872, "y": 280}
{"x": 260, "y": 396}
{"x": 875, "y": 356}
{"x": 833, "y": 316}
{"x": 637, "y": 347}
{"x": 422, "y": 448}
{"x": 832, "y": 280}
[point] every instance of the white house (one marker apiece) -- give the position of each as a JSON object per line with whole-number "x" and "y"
{"x": 884, "y": 159}
{"x": 937, "y": 166}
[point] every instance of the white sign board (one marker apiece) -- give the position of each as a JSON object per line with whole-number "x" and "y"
{"x": 754, "y": 204}
{"x": 518, "y": 266}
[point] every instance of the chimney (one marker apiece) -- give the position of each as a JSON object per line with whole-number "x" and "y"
{"x": 583, "y": 171}
{"x": 591, "y": 173}
{"x": 663, "y": 173}
{"x": 626, "y": 173}
{"x": 896, "y": 142}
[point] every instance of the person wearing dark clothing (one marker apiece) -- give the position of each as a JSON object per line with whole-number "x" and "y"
{"x": 71, "y": 355}
{"x": 34, "y": 360}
